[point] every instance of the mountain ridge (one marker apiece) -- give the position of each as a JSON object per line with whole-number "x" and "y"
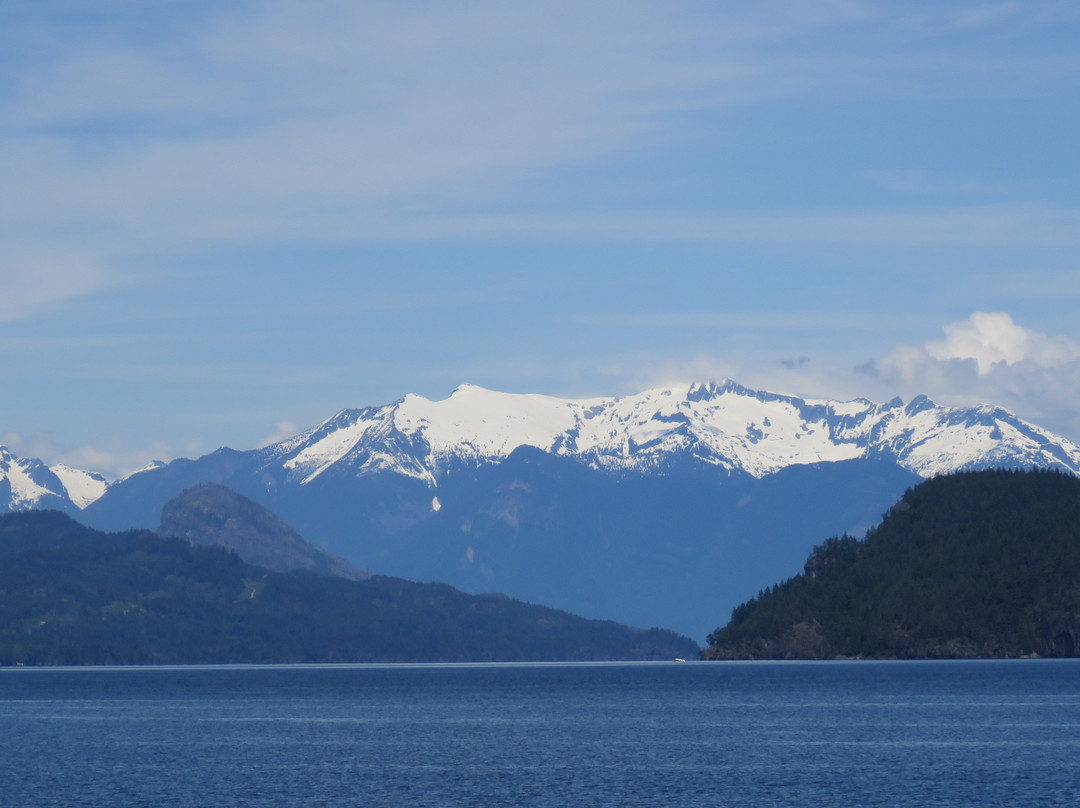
{"x": 720, "y": 424}
{"x": 724, "y": 425}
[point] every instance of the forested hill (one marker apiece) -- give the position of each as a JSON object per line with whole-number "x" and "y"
{"x": 70, "y": 595}
{"x": 978, "y": 564}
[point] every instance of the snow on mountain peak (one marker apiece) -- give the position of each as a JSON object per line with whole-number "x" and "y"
{"x": 484, "y": 423}
{"x": 81, "y": 487}
{"x": 717, "y": 423}
{"x": 32, "y": 484}
{"x": 720, "y": 424}
{"x": 153, "y": 464}
{"x": 25, "y": 479}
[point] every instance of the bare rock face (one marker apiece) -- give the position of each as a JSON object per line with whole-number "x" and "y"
{"x": 211, "y": 514}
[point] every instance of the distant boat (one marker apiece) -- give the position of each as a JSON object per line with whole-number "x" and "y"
{"x": 679, "y": 659}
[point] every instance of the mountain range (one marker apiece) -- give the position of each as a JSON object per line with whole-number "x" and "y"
{"x": 663, "y": 508}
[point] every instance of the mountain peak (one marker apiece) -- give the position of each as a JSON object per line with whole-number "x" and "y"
{"x": 30, "y": 484}
{"x": 707, "y": 391}
{"x": 212, "y": 514}
{"x": 919, "y": 404}
{"x": 468, "y": 387}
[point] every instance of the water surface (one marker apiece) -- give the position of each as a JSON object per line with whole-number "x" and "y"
{"x": 725, "y": 734}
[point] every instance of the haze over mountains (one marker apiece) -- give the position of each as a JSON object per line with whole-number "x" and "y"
{"x": 663, "y": 508}
{"x": 71, "y": 595}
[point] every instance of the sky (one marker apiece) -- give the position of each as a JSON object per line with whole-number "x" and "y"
{"x": 222, "y": 222}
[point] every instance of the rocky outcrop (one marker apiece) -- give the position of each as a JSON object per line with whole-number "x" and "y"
{"x": 211, "y": 514}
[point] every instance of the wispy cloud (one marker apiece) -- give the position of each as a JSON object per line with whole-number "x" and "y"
{"x": 313, "y": 123}
{"x": 112, "y": 456}
{"x": 920, "y": 182}
{"x": 35, "y": 278}
{"x": 989, "y": 14}
{"x": 581, "y": 152}
{"x": 281, "y": 431}
{"x": 1024, "y": 225}
{"x": 760, "y": 321}
{"x": 135, "y": 133}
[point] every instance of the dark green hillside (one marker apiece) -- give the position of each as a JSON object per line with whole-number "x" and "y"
{"x": 979, "y": 564}
{"x": 71, "y": 595}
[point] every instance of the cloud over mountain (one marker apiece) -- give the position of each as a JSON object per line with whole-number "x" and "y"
{"x": 990, "y": 357}
{"x": 992, "y": 339}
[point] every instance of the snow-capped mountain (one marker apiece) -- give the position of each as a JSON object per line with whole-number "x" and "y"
{"x": 27, "y": 483}
{"x": 721, "y": 425}
{"x": 665, "y": 508}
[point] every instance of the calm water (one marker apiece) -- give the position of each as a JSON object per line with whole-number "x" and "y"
{"x": 695, "y": 734}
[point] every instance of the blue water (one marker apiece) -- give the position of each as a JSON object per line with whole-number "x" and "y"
{"x": 696, "y": 734}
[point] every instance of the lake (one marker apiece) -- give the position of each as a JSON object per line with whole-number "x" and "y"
{"x": 986, "y": 733}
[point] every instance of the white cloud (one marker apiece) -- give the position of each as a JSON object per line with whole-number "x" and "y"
{"x": 343, "y": 105}
{"x": 316, "y": 122}
{"x": 989, "y": 359}
{"x": 993, "y": 338}
{"x": 152, "y": 131}
{"x": 281, "y": 431}
{"x": 32, "y": 279}
{"x": 38, "y": 445}
{"x": 113, "y": 457}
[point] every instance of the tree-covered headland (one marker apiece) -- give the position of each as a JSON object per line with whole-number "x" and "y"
{"x": 974, "y": 564}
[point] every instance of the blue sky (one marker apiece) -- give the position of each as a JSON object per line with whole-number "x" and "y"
{"x": 221, "y": 222}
